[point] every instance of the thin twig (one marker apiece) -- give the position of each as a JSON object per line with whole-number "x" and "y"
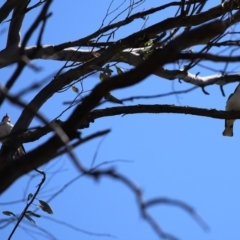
{"x": 30, "y": 202}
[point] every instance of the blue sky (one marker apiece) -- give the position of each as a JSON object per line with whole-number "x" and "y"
{"x": 180, "y": 157}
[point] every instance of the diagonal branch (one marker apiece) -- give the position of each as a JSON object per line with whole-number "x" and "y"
{"x": 16, "y": 23}
{"x": 158, "y": 58}
{"x": 7, "y": 7}
{"x": 31, "y": 136}
{"x": 47, "y": 151}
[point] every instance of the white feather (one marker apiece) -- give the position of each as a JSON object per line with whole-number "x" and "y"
{"x": 5, "y": 128}
{"x": 233, "y": 104}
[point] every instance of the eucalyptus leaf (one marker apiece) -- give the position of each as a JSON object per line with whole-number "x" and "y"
{"x": 119, "y": 70}
{"x": 75, "y": 89}
{"x": 30, "y": 195}
{"x": 8, "y": 213}
{"x": 96, "y": 55}
{"x": 33, "y": 214}
{"x": 103, "y": 76}
{"x": 45, "y": 207}
{"x": 113, "y": 99}
{"x": 30, "y": 219}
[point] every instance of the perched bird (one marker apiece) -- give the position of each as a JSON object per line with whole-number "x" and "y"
{"x": 5, "y": 129}
{"x": 233, "y": 104}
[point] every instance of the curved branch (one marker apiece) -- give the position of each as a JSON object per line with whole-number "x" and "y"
{"x": 157, "y": 58}
{"x": 212, "y": 113}
{"x": 31, "y": 136}
{"x": 16, "y": 23}
{"x": 47, "y": 151}
{"x": 9, "y": 56}
{"x": 134, "y": 59}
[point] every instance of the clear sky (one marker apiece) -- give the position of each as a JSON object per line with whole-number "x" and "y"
{"x": 180, "y": 157}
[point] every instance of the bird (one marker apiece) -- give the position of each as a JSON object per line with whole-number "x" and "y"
{"x": 5, "y": 129}
{"x": 233, "y": 104}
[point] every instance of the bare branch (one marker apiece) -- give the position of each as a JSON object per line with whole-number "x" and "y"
{"x": 7, "y": 7}
{"x": 29, "y": 203}
{"x": 16, "y": 23}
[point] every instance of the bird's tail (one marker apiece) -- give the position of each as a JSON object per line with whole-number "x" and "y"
{"x": 228, "y": 131}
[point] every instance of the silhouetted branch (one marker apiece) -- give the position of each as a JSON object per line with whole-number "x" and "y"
{"x": 34, "y": 135}
{"x": 29, "y": 203}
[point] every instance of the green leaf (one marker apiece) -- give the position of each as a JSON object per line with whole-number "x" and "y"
{"x": 103, "y": 76}
{"x": 30, "y": 219}
{"x": 8, "y": 213}
{"x": 30, "y": 195}
{"x": 119, "y": 70}
{"x": 113, "y": 99}
{"x": 91, "y": 41}
{"x": 96, "y": 55}
{"x": 33, "y": 214}
{"x": 149, "y": 43}
{"x": 75, "y": 89}
{"x": 45, "y": 207}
